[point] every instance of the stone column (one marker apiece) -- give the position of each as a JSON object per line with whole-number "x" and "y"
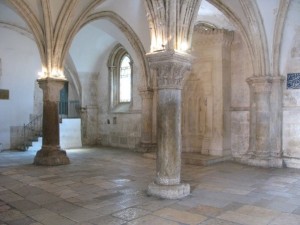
{"x": 146, "y": 137}
{"x": 260, "y": 152}
{"x": 51, "y": 154}
{"x": 170, "y": 69}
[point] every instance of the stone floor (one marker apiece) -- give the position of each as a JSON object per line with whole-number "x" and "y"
{"x": 107, "y": 186}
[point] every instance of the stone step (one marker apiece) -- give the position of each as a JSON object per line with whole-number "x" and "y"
{"x": 195, "y": 158}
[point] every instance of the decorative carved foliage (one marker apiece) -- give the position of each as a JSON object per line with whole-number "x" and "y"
{"x": 170, "y": 68}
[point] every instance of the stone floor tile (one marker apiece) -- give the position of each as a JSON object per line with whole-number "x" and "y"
{"x": 110, "y": 209}
{"x": 242, "y": 219}
{"x": 180, "y": 216}
{"x": 280, "y": 205}
{"x": 64, "y": 183}
{"x": 42, "y": 199}
{"x": 4, "y": 208}
{"x": 178, "y": 207}
{"x": 41, "y": 214}
{"x": 24, "y": 205}
{"x": 152, "y": 220}
{"x": 107, "y": 220}
{"x": 26, "y": 191}
{"x": 218, "y": 222}
{"x": 130, "y": 213}
{"x": 23, "y": 221}
{"x": 11, "y": 214}
{"x": 61, "y": 206}
{"x": 49, "y": 219}
{"x": 85, "y": 191}
{"x": 233, "y": 206}
{"x": 80, "y": 215}
{"x": 288, "y": 219}
{"x": 208, "y": 211}
{"x": 258, "y": 212}
{"x": 250, "y": 215}
{"x": 8, "y": 196}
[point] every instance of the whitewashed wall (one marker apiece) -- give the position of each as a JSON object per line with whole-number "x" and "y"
{"x": 20, "y": 66}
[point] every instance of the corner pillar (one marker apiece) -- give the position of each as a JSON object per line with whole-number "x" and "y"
{"x": 51, "y": 154}
{"x": 170, "y": 68}
{"x": 260, "y": 152}
{"x": 147, "y": 102}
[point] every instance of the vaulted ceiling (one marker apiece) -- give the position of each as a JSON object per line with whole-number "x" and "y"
{"x": 60, "y": 27}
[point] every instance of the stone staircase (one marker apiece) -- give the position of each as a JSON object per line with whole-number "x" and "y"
{"x": 70, "y": 135}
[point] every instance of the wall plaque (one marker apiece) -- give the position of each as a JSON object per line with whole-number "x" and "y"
{"x": 293, "y": 81}
{"x": 4, "y": 94}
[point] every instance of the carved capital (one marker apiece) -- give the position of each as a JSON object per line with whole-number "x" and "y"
{"x": 261, "y": 84}
{"x": 170, "y": 67}
{"x": 51, "y": 88}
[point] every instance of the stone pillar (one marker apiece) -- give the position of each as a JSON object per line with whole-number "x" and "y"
{"x": 146, "y": 136}
{"x": 170, "y": 68}
{"x": 260, "y": 152}
{"x": 51, "y": 154}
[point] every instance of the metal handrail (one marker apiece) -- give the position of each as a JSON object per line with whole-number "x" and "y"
{"x": 32, "y": 130}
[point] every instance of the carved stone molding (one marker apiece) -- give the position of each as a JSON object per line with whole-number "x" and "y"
{"x": 213, "y": 37}
{"x": 146, "y": 93}
{"x": 170, "y": 67}
{"x": 260, "y": 84}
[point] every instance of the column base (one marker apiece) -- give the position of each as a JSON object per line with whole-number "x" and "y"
{"x": 53, "y": 157}
{"x": 169, "y": 191}
{"x": 268, "y": 162}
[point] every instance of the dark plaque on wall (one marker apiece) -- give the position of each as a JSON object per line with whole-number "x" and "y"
{"x": 4, "y": 94}
{"x": 293, "y": 81}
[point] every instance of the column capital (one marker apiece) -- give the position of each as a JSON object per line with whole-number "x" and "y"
{"x": 260, "y": 83}
{"x": 51, "y": 87}
{"x": 170, "y": 67}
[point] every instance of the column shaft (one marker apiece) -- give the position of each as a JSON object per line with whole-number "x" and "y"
{"x": 260, "y": 152}
{"x": 51, "y": 154}
{"x": 170, "y": 68}
{"x": 146, "y": 132}
{"x": 169, "y": 137}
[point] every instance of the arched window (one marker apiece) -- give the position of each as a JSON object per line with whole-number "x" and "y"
{"x": 120, "y": 71}
{"x": 125, "y": 79}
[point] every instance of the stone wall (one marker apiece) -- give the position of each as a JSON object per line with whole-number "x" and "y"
{"x": 119, "y": 127}
{"x": 291, "y": 110}
{"x": 120, "y": 130}
{"x": 241, "y": 69}
{"x": 206, "y": 95}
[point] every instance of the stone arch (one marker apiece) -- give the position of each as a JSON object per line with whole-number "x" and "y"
{"x": 17, "y": 29}
{"x": 24, "y": 11}
{"x": 278, "y": 33}
{"x": 130, "y": 35}
{"x": 256, "y": 44}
